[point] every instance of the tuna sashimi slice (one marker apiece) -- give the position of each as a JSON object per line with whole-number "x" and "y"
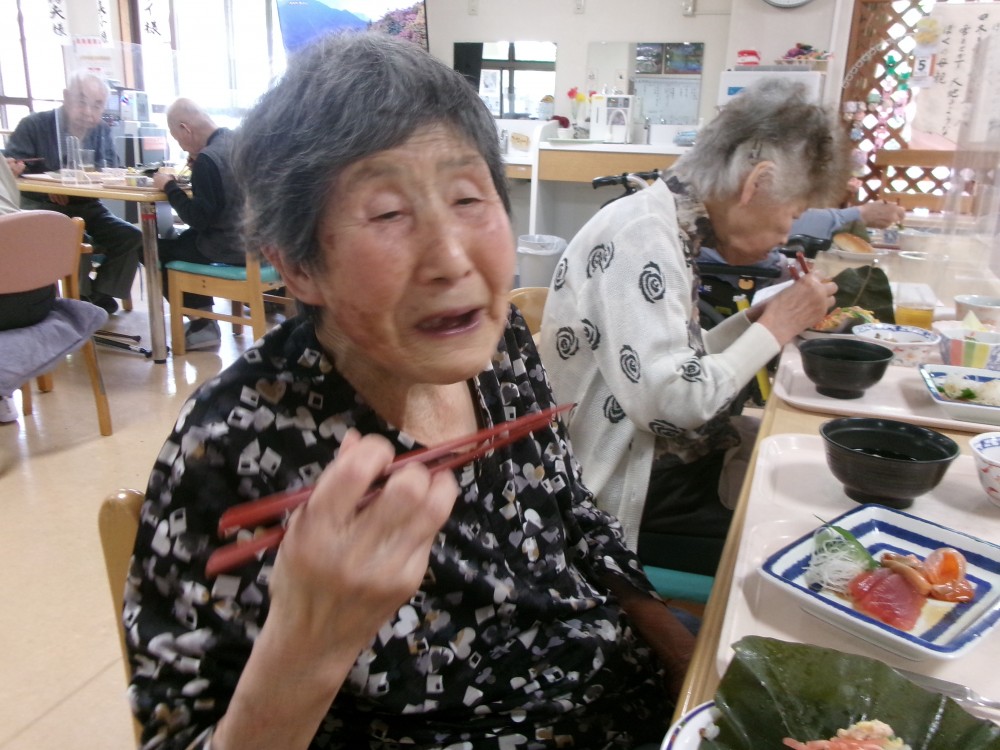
{"x": 888, "y": 597}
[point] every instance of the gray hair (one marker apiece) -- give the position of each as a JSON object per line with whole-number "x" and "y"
{"x": 343, "y": 98}
{"x": 773, "y": 120}
{"x": 80, "y": 79}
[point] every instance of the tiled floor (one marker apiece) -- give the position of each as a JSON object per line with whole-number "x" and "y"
{"x": 62, "y": 682}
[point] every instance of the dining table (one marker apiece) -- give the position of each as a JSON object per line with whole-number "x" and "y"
{"x": 146, "y": 198}
{"x": 787, "y": 489}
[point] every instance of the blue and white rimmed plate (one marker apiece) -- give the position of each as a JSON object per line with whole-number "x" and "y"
{"x": 934, "y": 377}
{"x": 688, "y": 731}
{"x": 944, "y": 629}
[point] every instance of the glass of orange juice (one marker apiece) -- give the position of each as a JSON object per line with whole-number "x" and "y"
{"x": 909, "y": 315}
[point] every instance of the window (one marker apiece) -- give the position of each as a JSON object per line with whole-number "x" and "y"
{"x": 221, "y": 53}
{"x": 32, "y": 37}
{"x": 516, "y": 76}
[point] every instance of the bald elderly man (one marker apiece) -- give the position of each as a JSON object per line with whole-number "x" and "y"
{"x": 43, "y": 135}
{"x": 212, "y": 211}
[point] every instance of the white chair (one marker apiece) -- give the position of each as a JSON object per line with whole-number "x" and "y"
{"x": 39, "y": 248}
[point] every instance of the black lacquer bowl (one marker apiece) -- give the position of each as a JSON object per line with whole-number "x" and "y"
{"x": 844, "y": 367}
{"x": 884, "y": 461}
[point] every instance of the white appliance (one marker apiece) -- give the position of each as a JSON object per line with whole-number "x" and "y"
{"x": 733, "y": 82}
{"x": 612, "y": 115}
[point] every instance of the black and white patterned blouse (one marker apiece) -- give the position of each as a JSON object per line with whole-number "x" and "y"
{"x": 511, "y": 641}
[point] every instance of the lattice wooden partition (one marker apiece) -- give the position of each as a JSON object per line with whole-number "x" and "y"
{"x": 881, "y": 28}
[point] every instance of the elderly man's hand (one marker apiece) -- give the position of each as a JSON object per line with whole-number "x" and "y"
{"x": 161, "y": 179}
{"x": 879, "y": 214}
{"x": 17, "y": 167}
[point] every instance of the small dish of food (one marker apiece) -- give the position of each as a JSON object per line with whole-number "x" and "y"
{"x": 840, "y": 320}
{"x": 910, "y": 345}
{"x": 910, "y": 586}
{"x": 967, "y": 394}
{"x": 968, "y": 345}
{"x": 688, "y": 731}
{"x": 851, "y": 247}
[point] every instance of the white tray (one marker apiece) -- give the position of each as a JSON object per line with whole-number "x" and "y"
{"x": 900, "y": 394}
{"x": 791, "y": 487}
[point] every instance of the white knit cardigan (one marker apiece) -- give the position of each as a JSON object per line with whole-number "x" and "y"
{"x": 620, "y": 337}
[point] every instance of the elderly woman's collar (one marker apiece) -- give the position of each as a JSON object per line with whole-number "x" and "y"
{"x": 692, "y": 217}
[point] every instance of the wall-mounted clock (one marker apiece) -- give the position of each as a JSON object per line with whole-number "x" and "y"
{"x": 787, "y": 3}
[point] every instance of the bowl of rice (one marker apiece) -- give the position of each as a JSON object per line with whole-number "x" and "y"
{"x": 910, "y": 346}
{"x": 968, "y": 394}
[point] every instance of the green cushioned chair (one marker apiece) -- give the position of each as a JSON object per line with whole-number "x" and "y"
{"x": 252, "y": 286}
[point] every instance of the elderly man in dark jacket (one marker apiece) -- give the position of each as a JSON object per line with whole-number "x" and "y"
{"x": 212, "y": 211}
{"x": 44, "y": 135}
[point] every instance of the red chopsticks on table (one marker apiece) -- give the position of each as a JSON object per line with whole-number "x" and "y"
{"x": 442, "y": 457}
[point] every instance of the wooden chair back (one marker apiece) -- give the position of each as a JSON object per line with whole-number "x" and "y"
{"x": 118, "y": 522}
{"x": 530, "y": 300}
{"x": 39, "y": 248}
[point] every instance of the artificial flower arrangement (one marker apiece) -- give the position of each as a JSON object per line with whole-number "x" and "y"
{"x": 576, "y": 98}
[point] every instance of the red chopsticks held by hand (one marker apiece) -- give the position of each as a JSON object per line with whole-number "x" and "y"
{"x": 445, "y": 456}
{"x": 803, "y": 268}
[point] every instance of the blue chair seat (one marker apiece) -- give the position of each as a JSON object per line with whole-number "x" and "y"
{"x": 678, "y": 584}
{"x": 223, "y": 271}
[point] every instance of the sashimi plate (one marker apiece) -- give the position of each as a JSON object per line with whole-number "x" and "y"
{"x": 687, "y": 732}
{"x": 944, "y": 630}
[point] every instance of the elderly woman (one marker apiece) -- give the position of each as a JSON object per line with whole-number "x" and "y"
{"x": 621, "y": 334}
{"x": 492, "y": 607}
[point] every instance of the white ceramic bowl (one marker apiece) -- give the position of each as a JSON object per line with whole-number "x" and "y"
{"x": 910, "y": 345}
{"x": 986, "y": 452}
{"x": 967, "y": 348}
{"x": 987, "y": 309}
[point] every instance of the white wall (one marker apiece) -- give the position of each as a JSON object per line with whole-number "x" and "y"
{"x": 723, "y": 25}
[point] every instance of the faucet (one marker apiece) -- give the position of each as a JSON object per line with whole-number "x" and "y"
{"x": 620, "y": 115}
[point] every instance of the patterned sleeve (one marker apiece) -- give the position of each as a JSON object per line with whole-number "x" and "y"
{"x": 189, "y": 636}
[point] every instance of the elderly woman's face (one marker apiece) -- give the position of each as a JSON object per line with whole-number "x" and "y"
{"x": 418, "y": 260}
{"x": 750, "y": 230}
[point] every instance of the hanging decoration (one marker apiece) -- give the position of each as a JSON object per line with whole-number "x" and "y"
{"x": 887, "y": 104}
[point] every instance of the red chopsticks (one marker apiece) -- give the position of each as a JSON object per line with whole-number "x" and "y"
{"x": 803, "y": 265}
{"x": 441, "y": 457}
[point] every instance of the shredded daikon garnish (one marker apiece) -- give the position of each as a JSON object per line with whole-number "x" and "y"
{"x": 835, "y": 562}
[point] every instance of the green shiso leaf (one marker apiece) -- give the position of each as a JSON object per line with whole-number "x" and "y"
{"x": 774, "y": 689}
{"x": 858, "y": 550}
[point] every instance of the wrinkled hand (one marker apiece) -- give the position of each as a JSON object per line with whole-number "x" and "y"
{"x": 800, "y": 306}
{"x": 160, "y": 180}
{"x": 879, "y": 214}
{"x": 341, "y": 573}
{"x": 59, "y": 200}
{"x": 17, "y": 167}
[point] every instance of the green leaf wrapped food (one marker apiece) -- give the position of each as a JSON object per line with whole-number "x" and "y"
{"x": 774, "y": 689}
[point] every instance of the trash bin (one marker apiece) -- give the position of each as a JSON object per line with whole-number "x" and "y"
{"x": 537, "y": 257}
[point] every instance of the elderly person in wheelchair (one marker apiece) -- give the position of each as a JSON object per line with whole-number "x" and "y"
{"x": 621, "y": 333}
